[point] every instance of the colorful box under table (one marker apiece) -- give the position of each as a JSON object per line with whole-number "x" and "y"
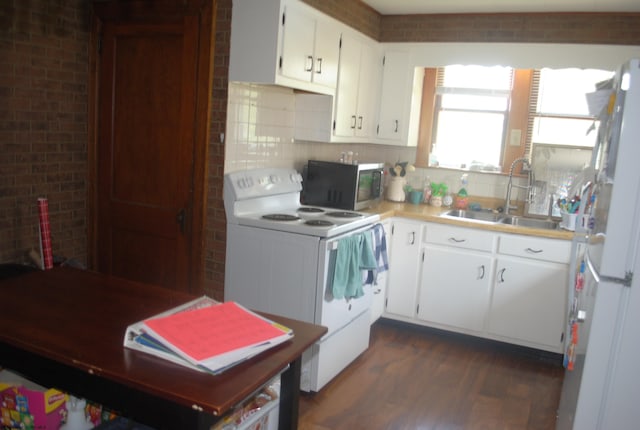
{"x": 31, "y": 409}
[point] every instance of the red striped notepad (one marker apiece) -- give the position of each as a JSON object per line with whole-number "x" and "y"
{"x": 212, "y": 338}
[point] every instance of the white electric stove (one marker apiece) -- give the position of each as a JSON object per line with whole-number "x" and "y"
{"x": 280, "y": 259}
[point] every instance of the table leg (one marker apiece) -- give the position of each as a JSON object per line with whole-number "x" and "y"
{"x": 290, "y": 396}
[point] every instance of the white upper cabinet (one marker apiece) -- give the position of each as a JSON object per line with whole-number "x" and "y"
{"x": 284, "y": 42}
{"x": 310, "y": 46}
{"x": 357, "y": 89}
{"x": 400, "y": 100}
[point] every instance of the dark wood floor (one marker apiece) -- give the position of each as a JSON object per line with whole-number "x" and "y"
{"x": 417, "y": 378}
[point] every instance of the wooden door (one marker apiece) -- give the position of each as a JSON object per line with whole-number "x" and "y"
{"x": 152, "y": 84}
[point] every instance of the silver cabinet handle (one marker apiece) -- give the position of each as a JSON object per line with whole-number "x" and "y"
{"x": 360, "y": 123}
{"x": 319, "y": 65}
{"x": 534, "y": 251}
{"x": 453, "y": 239}
{"x": 413, "y": 238}
{"x": 353, "y": 121}
{"x": 309, "y": 68}
{"x": 396, "y": 129}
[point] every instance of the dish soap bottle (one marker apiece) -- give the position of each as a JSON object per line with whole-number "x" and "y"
{"x": 462, "y": 198}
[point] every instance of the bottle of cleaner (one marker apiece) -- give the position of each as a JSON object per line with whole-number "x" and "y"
{"x": 462, "y": 198}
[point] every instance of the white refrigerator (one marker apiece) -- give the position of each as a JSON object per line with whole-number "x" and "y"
{"x": 601, "y": 388}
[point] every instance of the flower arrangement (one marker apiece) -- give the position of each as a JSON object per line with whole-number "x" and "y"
{"x": 401, "y": 168}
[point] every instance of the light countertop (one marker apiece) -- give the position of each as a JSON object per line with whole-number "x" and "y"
{"x": 424, "y": 212}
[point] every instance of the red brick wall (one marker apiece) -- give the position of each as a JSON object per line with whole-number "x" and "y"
{"x": 215, "y": 240}
{"x": 596, "y": 28}
{"x": 43, "y": 123}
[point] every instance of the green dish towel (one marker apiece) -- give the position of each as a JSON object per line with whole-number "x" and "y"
{"x": 354, "y": 254}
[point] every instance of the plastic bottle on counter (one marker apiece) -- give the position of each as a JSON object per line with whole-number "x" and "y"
{"x": 426, "y": 191}
{"x": 462, "y": 198}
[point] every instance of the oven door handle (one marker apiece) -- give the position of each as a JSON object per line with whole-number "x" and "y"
{"x": 332, "y": 242}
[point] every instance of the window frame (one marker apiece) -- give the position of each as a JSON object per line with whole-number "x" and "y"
{"x": 516, "y": 118}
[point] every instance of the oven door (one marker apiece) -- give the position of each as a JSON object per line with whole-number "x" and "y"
{"x": 335, "y": 313}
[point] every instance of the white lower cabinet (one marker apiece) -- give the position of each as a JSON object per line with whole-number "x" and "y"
{"x": 529, "y": 296}
{"x": 455, "y": 288}
{"x": 404, "y": 265}
{"x": 506, "y": 287}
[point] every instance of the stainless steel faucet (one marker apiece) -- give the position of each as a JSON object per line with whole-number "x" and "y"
{"x": 529, "y": 187}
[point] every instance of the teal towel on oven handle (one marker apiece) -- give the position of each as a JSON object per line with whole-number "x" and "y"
{"x": 354, "y": 254}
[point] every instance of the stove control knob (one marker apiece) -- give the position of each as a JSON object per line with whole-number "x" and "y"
{"x": 274, "y": 179}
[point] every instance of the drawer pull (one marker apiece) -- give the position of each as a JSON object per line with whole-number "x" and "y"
{"x": 501, "y": 275}
{"x": 481, "y": 272}
{"x": 453, "y": 239}
{"x": 534, "y": 251}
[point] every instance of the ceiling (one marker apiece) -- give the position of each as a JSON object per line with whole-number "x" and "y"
{"x": 403, "y": 7}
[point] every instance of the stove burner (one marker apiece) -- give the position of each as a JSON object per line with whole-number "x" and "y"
{"x": 310, "y": 210}
{"x": 344, "y": 214}
{"x": 319, "y": 223}
{"x": 280, "y": 217}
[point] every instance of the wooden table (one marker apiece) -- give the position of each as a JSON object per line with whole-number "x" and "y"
{"x": 65, "y": 327}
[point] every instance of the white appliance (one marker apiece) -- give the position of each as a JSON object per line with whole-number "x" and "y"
{"x": 601, "y": 389}
{"x": 281, "y": 257}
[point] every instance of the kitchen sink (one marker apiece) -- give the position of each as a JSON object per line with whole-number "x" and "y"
{"x": 483, "y": 216}
{"x": 498, "y": 218}
{"x": 529, "y": 222}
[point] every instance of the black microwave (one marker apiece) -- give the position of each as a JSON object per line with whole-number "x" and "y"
{"x": 342, "y": 186}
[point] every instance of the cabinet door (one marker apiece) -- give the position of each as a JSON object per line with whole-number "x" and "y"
{"x": 344, "y": 121}
{"x": 402, "y": 285}
{"x": 297, "y": 44}
{"x": 395, "y": 73}
{"x": 326, "y": 53}
{"x": 528, "y": 303}
{"x": 367, "y": 91}
{"x": 455, "y": 287}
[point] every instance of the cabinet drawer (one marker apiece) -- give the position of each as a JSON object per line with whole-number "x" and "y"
{"x": 460, "y": 237}
{"x": 538, "y": 248}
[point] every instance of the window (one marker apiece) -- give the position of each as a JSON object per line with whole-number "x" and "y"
{"x": 471, "y": 108}
{"x": 560, "y": 115}
{"x": 483, "y": 118}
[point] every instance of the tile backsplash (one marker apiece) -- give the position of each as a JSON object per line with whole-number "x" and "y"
{"x": 261, "y": 124}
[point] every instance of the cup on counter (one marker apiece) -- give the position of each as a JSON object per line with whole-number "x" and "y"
{"x": 415, "y": 197}
{"x": 568, "y": 221}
